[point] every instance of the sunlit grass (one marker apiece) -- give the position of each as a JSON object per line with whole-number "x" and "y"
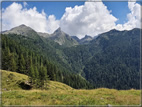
{"x": 61, "y": 94}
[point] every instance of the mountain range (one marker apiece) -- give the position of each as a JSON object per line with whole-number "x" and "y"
{"x": 110, "y": 60}
{"x": 57, "y": 36}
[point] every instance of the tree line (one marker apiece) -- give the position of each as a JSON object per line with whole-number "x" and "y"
{"x": 40, "y": 70}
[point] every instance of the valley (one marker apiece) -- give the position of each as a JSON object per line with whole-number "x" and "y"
{"x": 71, "y": 53}
{"x": 109, "y": 60}
{"x": 59, "y": 69}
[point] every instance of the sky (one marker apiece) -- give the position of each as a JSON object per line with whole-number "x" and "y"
{"x": 74, "y": 18}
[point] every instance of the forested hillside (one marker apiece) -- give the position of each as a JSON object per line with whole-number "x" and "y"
{"x": 118, "y": 64}
{"x": 110, "y": 60}
{"x": 19, "y": 58}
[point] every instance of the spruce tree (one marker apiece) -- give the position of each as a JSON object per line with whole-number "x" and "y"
{"x": 36, "y": 77}
{"x": 13, "y": 65}
{"x": 21, "y": 65}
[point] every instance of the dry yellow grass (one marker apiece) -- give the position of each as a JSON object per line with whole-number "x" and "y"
{"x": 61, "y": 94}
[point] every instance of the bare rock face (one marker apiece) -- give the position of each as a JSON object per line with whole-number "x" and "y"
{"x": 62, "y": 38}
{"x": 23, "y": 30}
{"x": 58, "y": 36}
{"x": 20, "y": 30}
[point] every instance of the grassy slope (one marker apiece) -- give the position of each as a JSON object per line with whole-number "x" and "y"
{"x": 61, "y": 94}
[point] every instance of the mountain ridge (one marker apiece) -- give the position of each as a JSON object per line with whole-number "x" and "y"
{"x": 101, "y": 60}
{"x": 57, "y": 36}
{"x": 20, "y": 30}
{"x": 86, "y": 39}
{"x": 62, "y": 38}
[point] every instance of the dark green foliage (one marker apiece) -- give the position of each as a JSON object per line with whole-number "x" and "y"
{"x": 13, "y": 65}
{"x": 21, "y": 64}
{"x": 20, "y": 55}
{"x": 111, "y": 60}
{"x": 118, "y": 64}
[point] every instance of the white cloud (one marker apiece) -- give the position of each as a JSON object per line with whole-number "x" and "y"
{"x": 92, "y": 18}
{"x": 134, "y": 17}
{"x": 16, "y": 14}
{"x": 52, "y": 24}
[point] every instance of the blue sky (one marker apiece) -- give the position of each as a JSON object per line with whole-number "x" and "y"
{"x": 56, "y": 8}
{"x": 117, "y": 10}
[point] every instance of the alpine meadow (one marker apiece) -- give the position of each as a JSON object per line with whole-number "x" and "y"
{"x": 75, "y": 55}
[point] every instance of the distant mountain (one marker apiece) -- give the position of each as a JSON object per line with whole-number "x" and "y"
{"x": 76, "y": 38}
{"x": 58, "y": 36}
{"x": 34, "y": 56}
{"x": 22, "y": 30}
{"x": 63, "y": 39}
{"x": 111, "y": 59}
{"x": 86, "y": 39}
{"x": 116, "y": 63}
{"x": 46, "y": 35}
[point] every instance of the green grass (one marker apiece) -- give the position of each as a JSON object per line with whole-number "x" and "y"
{"x": 11, "y": 80}
{"x": 61, "y": 94}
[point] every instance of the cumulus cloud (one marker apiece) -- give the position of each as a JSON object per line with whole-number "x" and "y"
{"x": 16, "y": 14}
{"x": 92, "y": 18}
{"x": 134, "y": 17}
{"x": 52, "y": 24}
